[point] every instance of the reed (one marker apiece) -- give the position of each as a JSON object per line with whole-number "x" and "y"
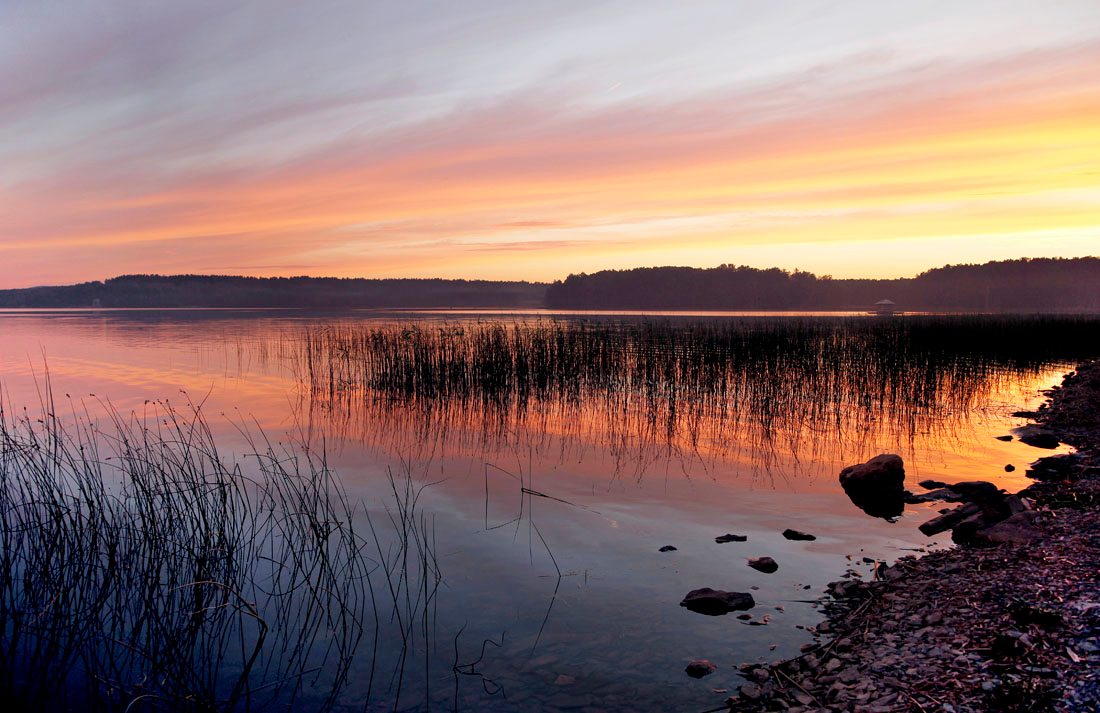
{"x": 686, "y": 385}
{"x": 142, "y": 571}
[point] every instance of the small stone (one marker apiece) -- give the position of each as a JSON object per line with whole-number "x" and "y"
{"x": 564, "y": 680}
{"x": 700, "y": 668}
{"x": 797, "y": 535}
{"x": 760, "y": 675}
{"x": 715, "y": 602}
{"x": 763, "y": 564}
{"x": 667, "y": 548}
{"x": 750, "y": 692}
{"x": 730, "y": 538}
{"x": 1009, "y": 468}
{"x": 1004, "y": 438}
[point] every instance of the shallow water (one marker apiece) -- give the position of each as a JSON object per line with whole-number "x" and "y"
{"x": 547, "y": 515}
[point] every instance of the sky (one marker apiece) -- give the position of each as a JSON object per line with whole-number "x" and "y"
{"x": 531, "y": 140}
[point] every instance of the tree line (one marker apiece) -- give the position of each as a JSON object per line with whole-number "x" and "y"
{"x": 1027, "y": 284}
{"x": 307, "y": 292}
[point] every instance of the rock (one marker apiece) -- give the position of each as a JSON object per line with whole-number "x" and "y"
{"x": 763, "y": 564}
{"x": 750, "y": 692}
{"x": 1017, "y": 529}
{"x": 949, "y": 519}
{"x": 1025, "y": 414}
{"x": 876, "y": 487}
{"x": 730, "y": 538}
{"x": 933, "y": 495}
{"x": 933, "y": 484}
{"x": 797, "y": 535}
{"x": 1036, "y": 436}
{"x": 1004, "y": 438}
{"x": 715, "y": 602}
{"x": 1016, "y": 504}
{"x": 1053, "y": 467}
{"x": 965, "y": 531}
{"x": 756, "y": 673}
{"x": 976, "y": 490}
{"x": 700, "y": 668}
{"x": 667, "y": 548}
{"x": 564, "y": 680}
{"x": 843, "y": 589}
{"x": 985, "y": 495}
{"x": 1009, "y": 468}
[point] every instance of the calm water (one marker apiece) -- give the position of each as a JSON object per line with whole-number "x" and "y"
{"x": 546, "y": 504}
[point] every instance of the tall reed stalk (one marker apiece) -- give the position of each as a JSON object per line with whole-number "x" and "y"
{"x": 139, "y": 570}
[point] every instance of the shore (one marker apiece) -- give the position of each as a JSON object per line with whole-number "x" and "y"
{"x": 1006, "y": 623}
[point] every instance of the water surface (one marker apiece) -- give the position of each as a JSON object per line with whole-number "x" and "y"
{"x": 551, "y": 486}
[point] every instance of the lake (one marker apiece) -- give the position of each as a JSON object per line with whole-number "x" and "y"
{"x": 511, "y": 479}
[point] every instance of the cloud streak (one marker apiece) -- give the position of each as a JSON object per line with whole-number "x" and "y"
{"x": 405, "y": 174}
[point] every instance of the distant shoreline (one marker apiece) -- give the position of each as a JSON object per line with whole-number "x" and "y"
{"x": 1027, "y": 285}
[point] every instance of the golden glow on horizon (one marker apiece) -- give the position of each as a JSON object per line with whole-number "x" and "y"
{"x": 1013, "y": 161}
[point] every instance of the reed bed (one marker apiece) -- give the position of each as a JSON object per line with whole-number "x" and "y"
{"x": 142, "y": 571}
{"x": 689, "y": 384}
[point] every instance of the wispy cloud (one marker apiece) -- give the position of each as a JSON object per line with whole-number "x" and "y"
{"x": 167, "y": 140}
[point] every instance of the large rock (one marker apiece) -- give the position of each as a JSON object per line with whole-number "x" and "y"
{"x": 877, "y": 486}
{"x": 715, "y": 602}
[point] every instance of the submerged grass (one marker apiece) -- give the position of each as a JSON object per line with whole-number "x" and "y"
{"x": 139, "y": 570}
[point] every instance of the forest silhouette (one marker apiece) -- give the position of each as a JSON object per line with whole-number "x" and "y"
{"x": 1027, "y": 284}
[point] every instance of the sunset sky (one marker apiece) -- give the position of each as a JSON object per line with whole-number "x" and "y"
{"x": 529, "y": 140}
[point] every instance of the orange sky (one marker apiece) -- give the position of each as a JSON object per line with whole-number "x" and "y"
{"x": 858, "y": 162}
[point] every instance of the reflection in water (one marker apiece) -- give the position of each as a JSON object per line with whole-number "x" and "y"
{"x": 686, "y": 393}
{"x": 527, "y": 496}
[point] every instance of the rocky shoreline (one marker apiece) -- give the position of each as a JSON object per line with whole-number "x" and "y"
{"x": 1008, "y": 621}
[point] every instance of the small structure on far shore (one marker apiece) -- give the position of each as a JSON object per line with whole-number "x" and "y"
{"x": 885, "y": 308}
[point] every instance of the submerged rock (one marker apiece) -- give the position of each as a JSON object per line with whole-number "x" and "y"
{"x": 933, "y": 484}
{"x": 716, "y": 602}
{"x": 730, "y": 538}
{"x": 877, "y": 486}
{"x": 667, "y": 548}
{"x": 700, "y": 668}
{"x": 798, "y": 535}
{"x": 763, "y": 564}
